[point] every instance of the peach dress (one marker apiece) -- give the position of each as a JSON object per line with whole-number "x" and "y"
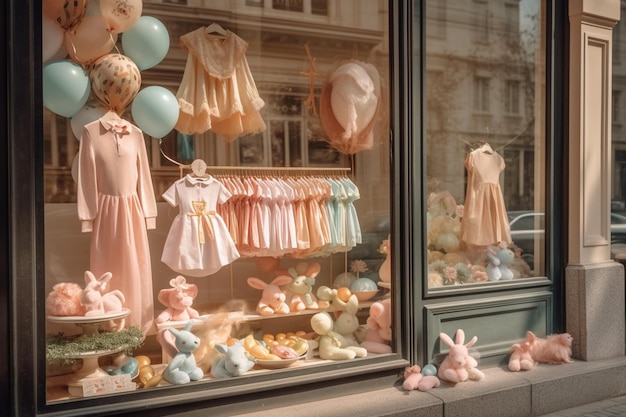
{"x": 217, "y": 91}
{"x": 116, "y": 204}
{"x": 485, "y": 221}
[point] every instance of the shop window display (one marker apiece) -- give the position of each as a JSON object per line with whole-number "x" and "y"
{"x": 262, "y": 241}
{"x": 485, "y": 145}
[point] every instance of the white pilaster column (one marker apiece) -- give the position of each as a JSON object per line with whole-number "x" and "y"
{"x": 594, "y": 284}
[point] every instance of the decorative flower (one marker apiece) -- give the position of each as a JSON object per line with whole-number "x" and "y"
{"x": 180, "y": 283}
{"x": 358, "y": 266}
{"x": 479, "y": 276}
{"x": 459, "y": 210}
{"x": 449, "y": 275}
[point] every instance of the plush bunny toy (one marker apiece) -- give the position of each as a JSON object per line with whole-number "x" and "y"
{"x": 459, "y": 366}
{"x": 182, "y": 368}
{"x": 378, "y": 336}
{"x": 414, "y": 379}
{"x": 97, "y": 302}
{"x": 273, "y": 298}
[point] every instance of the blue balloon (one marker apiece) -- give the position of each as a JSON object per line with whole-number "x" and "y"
{"x": 155, "y": 111}
{"x": 146, "y": 43}
{"x": 66, "y": 87}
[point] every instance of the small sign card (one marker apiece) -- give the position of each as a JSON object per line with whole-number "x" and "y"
{"x": 107, "y": 384}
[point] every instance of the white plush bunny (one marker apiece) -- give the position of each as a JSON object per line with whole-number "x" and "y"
{"x": 459, "y": 366}
{"x": 97, "y": 302}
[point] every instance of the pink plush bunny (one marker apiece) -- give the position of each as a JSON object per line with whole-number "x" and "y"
{"x": 178, "y": 301}
{"x": 97, "y": 302}
{"x": 415, "y": 380}
{"x": 521, "y": 357}
{"x": 273, "y": 298}
{"x": 459, "y": 366}
{"x": 378, "y": 336}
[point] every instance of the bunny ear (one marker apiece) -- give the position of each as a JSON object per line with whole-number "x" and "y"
{"x": 256, "y": 283}
{"x": 106, "y": 277}
{"x": 313, "y": 270}
{"x": 188, "y": 325}
{"x": 282, "y": 280}
{"x": 352, "y": 306}
{"x": 471, "y": 342}
{"x": 460, "y": 337}
{"x": 90, "y": 277}
{"x": 325, "y": 293}
{"x": 446, "y": 339}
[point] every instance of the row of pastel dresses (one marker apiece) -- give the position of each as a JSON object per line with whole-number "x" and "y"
{"x": 225, "y": 217}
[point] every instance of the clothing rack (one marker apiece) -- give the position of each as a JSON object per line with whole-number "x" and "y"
{"x": 199, "y": 167}
{"x": 196, "y": 167}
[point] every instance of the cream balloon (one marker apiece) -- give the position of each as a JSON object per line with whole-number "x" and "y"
{"x": 51, "y": 38}
{"x": 86, "y": 115}
{"x": 121, "y": 15}
{"x": 89, "y": 40}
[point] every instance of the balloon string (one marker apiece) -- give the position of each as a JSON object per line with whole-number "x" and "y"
{"x": 113, "y": 41}
{"x": 67, "y": 35}
{"x": 166, "y": 156}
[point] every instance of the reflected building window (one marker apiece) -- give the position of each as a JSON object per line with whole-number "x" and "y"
{"x": 481, "y": 21}
{"x": 481, "y": 94}
{"x": 512, "y": 97}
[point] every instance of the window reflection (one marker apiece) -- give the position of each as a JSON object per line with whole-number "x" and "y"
{"x": 485, "y": 140}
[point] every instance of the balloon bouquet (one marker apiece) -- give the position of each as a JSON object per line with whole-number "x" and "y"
{"x": 81, "y": 60}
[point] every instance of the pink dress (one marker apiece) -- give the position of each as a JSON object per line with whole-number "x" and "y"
{"x": 485, "y": 221}
{"x": 217, "y": 91}
{"x": 116, "y": 203}
{"x": 198, "y": 243}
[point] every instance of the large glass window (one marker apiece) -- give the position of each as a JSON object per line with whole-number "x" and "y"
{"x": 485, "y": 142}
{"x": 290, "y": 119}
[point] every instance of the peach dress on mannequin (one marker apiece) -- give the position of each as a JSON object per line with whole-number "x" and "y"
{"x": 485, "y": 221}
{"x": 116, "y": 204}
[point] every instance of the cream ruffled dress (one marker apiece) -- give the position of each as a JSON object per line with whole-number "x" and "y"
{"x": 217, "y": 91}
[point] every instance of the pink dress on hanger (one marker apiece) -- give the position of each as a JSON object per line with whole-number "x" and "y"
{"x": 116, "y": 204}
{"x": 217, "y": 91}
{"x": 485, "y": 221}
{"x": 198, "y": 243}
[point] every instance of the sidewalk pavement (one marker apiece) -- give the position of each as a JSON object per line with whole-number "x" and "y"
{"x": 605, "y": 408}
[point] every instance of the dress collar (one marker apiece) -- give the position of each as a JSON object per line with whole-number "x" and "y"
{"x": 119, "y": 126}
{"x": 198, "y": 180}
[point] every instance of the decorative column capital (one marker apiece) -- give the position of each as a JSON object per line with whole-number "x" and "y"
{"x": 605, "y": 13}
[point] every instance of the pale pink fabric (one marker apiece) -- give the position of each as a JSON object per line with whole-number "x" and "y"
{"x": 217, "y": 91}
{"x": 116, "y": 203}
{"x": 485, "y": 221}
{"x": 198, "y": 244}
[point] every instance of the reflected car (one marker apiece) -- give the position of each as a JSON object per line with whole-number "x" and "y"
{"x": 527, "y": 226}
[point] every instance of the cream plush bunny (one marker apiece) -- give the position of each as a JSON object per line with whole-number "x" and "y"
{"x": 459, "y": 366}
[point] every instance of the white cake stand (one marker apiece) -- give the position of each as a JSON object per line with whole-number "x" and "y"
{"x": 91, "y": 324}
{"x": 90, "y": 369}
